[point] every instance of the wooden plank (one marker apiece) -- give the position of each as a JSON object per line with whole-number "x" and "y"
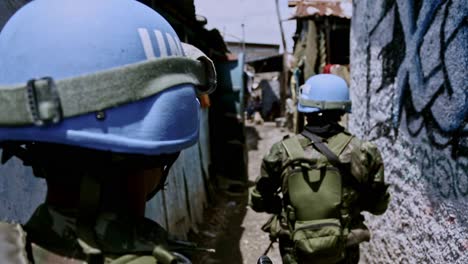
{"x": 195, "y": 186}
{"x": 204, "y": 143}
{"x": 176, "y": 201}
{"x": 155, "y": 209}
{"x": 180, "y": 206}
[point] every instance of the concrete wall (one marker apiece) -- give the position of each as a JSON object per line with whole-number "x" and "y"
{"x": 409, "y": 78}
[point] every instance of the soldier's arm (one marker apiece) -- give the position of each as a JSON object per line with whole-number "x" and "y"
{"x": 376, "y": 198}
{"x": 264, "y": 195}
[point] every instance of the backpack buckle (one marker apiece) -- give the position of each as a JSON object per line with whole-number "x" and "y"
{"x": 44, "y": 101}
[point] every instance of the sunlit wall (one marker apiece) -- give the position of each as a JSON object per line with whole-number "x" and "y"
{"x": 409, "y": 83}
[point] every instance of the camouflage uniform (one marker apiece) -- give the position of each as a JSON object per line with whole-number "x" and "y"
{"x": 365, "y": 163}
{"x": 50, "y": 236}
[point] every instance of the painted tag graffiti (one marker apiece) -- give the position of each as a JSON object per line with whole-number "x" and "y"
{"x": 430, "y": 88}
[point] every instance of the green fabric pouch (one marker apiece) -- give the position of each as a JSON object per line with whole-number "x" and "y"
{"x": 272, "y": 226}
{"x": 319, "y": 241}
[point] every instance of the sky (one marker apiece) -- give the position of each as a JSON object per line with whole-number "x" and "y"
{"x": 258, "y": 16}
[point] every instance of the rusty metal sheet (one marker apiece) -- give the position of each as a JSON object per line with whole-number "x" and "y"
{"x": 310, "y": 8}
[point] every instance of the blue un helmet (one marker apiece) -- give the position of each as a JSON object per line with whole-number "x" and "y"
{"x": 323, "y": 92}
{"x": 106, "y": 75}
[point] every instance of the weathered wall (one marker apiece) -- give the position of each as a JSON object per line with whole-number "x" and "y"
{"x": 410, "y": 89}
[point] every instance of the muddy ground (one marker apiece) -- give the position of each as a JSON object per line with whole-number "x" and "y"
{"x": 230, "y": 226}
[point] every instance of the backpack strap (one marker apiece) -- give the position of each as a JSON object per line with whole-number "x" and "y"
{"x": 332, "y": 157}
{"x": 293, "y": 148}
{"x": 296, "y": 155}
{"x": 322, "y": 148}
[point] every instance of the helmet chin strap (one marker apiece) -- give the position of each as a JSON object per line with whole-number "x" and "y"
{"x": 90, "y": 195}
{"x": 170, "y": 161}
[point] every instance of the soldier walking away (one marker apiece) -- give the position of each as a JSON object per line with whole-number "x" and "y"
{"x": 115, "y": 103}
{"x": 317, "y": 183}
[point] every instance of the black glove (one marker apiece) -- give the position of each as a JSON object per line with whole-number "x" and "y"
{"x": 273, "y": 205}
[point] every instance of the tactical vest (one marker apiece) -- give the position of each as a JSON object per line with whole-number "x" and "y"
{"x": 313, "y": 197}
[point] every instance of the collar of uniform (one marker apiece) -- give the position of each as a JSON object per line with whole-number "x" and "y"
{"x": 325, "y": 131}
{"x": 55, "y": 230}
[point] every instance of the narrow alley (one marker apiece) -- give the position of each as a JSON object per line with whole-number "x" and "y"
{"x": 230, "y": 226}
{"x": 132, "y": 130}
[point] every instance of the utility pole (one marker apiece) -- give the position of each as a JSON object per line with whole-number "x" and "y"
{"x": 284, "y": 84}
{"x": 243, "y": 38}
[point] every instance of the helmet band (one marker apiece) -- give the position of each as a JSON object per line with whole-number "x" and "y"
{"x": 47, "y": 101}
{"x": 326, "y": 105}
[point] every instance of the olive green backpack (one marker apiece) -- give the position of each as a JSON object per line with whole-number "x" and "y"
{"x": 313, "y": 195}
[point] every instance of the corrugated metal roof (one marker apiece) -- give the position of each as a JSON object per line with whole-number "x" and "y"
{"x": 309, "y": 8}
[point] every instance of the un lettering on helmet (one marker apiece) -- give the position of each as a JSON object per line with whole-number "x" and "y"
{"x": 134, "y": 102}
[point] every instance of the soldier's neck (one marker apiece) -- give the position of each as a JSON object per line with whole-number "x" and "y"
{"x": 114, "y": 198}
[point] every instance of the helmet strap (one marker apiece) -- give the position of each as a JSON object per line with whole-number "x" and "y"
{"x": 90, "y": 192}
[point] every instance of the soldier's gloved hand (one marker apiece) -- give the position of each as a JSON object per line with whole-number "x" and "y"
{"x": 273, "y": 205}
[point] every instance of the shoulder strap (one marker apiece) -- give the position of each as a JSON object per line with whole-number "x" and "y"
{"x": 339, "y": 142}
{"x": 293, "y": 148}
{"x": 332, "y": 157}
{"x": 318, "y": 143}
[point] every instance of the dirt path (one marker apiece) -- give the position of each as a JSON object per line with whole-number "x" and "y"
{"x": 230, "y": 226}
{"x": 254, "y": 240}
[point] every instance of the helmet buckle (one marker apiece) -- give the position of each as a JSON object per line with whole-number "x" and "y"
{"x": 44, "y": 101}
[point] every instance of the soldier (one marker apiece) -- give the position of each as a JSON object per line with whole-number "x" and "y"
{"x": 318, "y": 182}
{"x": 114, "y": 103}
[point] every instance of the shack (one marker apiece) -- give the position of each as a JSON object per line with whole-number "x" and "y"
{"x": 321, "y": 42}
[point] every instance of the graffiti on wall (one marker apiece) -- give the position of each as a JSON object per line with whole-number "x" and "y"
{"x": 451, "y": 180}
{"x": 423, "y": 65}
{"x": 426, "y": 61}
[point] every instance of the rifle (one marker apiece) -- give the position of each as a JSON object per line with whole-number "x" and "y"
{"x": 187, "y": 247}
{"x": 268, "y": 248}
